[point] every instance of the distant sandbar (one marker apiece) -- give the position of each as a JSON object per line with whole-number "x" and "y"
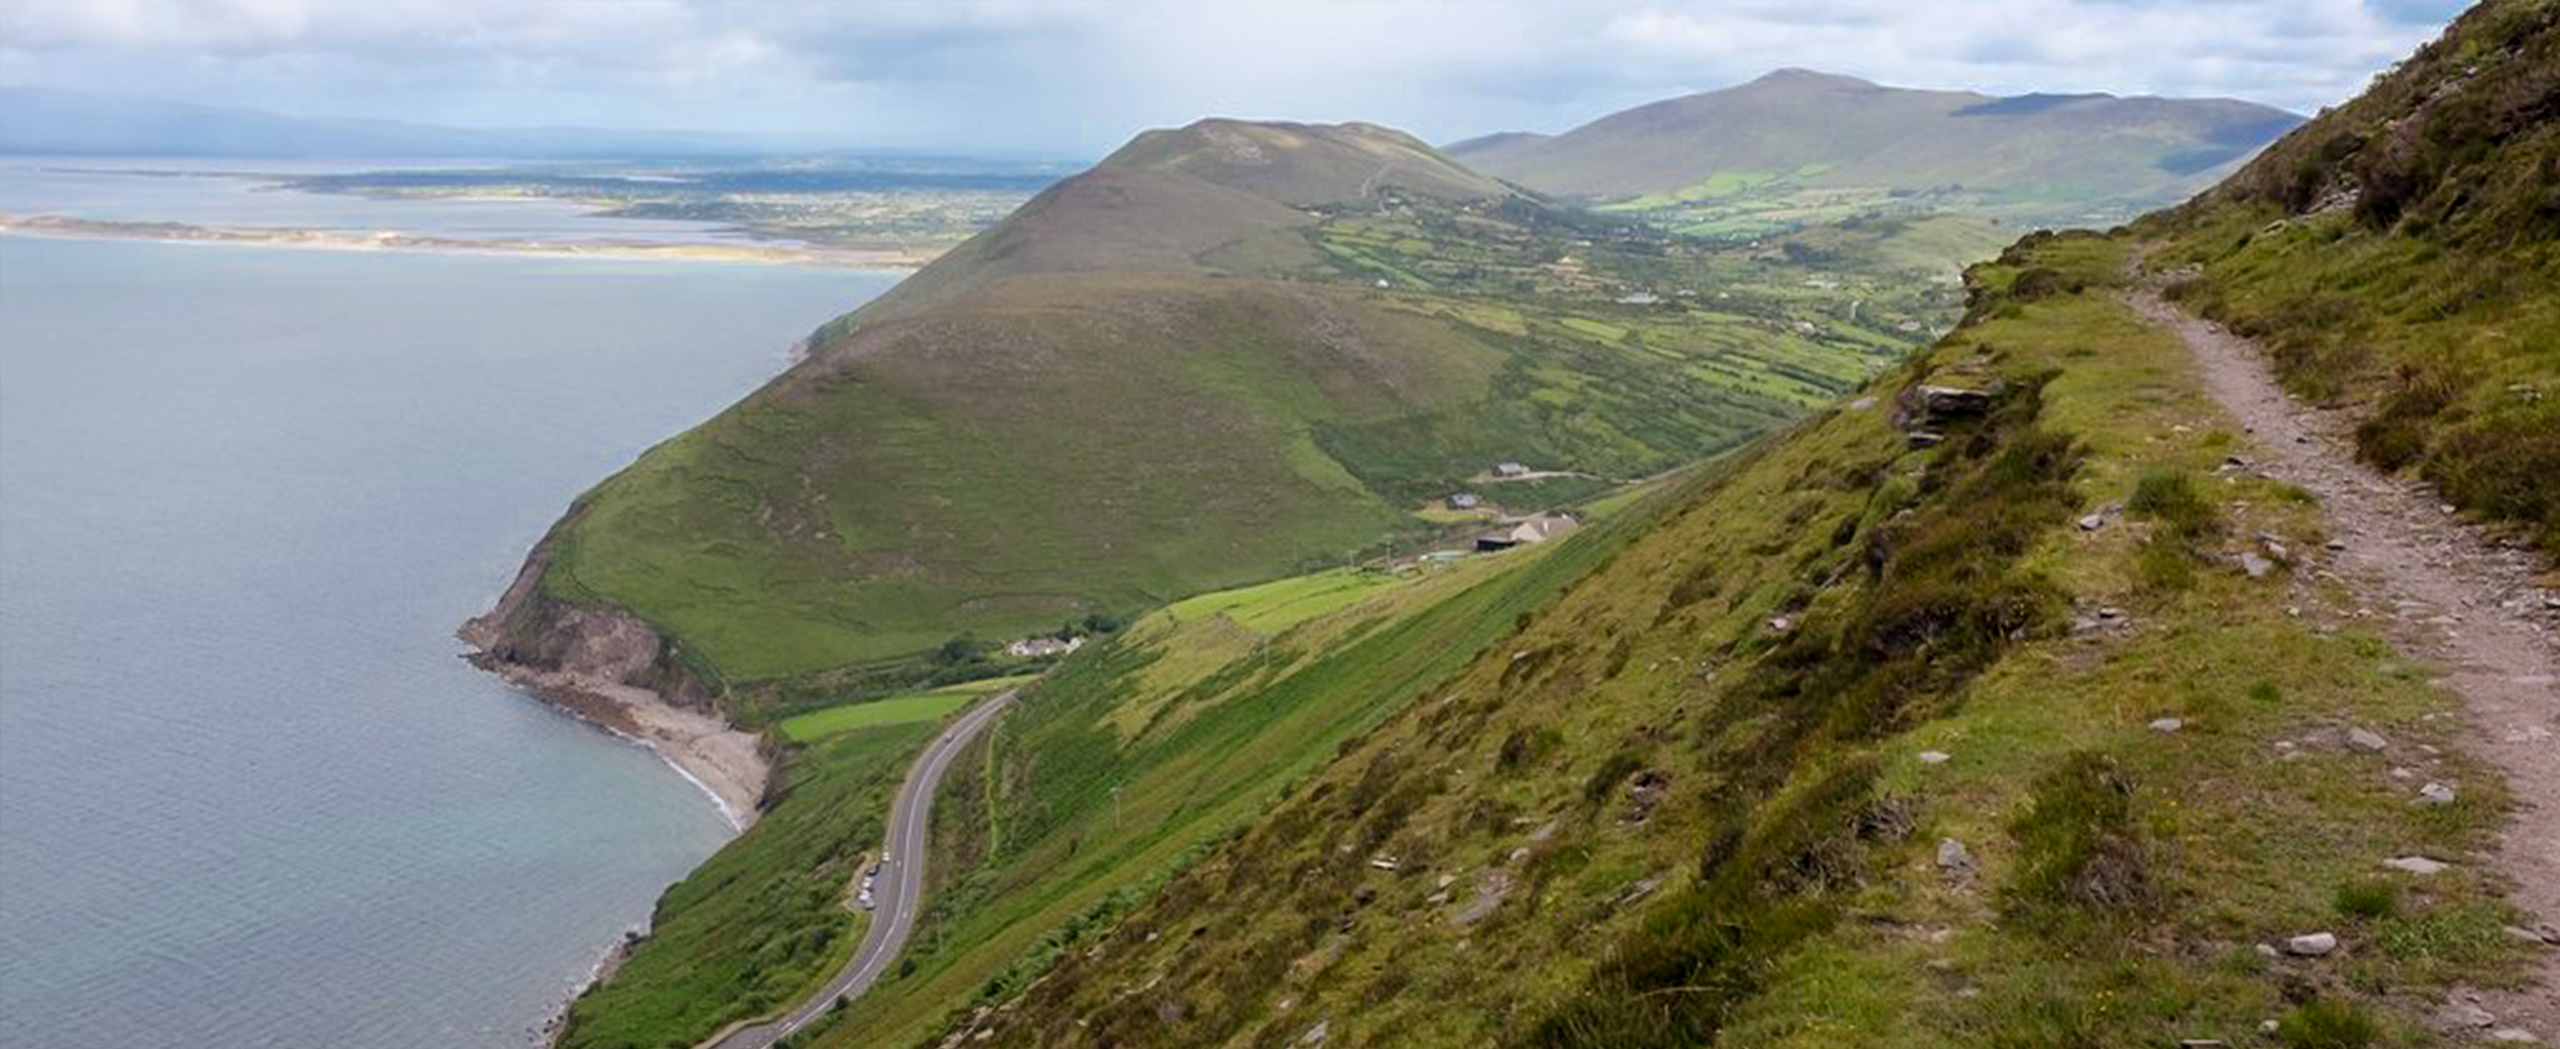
{"x": 57, "y": 226}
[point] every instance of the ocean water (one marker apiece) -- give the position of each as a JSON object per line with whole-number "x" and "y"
{"x": 232, "y": 193}
{"x": 249, "y": 795}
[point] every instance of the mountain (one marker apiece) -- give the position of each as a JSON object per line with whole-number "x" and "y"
{"x": 1227, "y": 353}
{"x": 2028, "y": 695}
{"x": 2015, "y": 701}
{"x": 1170, "y": 197}
{"x": 1496, "y": 144}
{"x": 1820, "y": 130}
{"x": 70, "y": 123}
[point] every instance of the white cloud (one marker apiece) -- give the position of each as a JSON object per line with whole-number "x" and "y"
{"x": 1080, "y": 75}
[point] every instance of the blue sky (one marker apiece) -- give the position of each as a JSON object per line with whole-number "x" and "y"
{"x": 1072, "y": 78}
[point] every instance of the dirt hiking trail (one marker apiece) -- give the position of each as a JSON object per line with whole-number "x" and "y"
{"x": 2450, "y": 595}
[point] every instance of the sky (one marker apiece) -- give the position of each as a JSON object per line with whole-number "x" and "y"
{"x": 1070, "y": 78}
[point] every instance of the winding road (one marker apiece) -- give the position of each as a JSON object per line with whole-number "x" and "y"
{"x": 899, "y": 888}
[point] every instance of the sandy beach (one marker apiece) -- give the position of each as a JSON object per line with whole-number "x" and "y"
{"x": 724, "y": 761}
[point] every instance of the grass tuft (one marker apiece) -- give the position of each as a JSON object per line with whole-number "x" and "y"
{"x": 2079, "y": 843}
{"x": 2369, "y": 898}
{"x": 2328, "y": 1024}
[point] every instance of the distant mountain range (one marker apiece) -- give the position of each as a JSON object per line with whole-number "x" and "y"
{"x": 70, "y": 123}
{"x": 1821, "y": 130}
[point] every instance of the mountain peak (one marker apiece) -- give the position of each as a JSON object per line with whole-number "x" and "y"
{"x": 1798, "y": 76}
{"x": 1302, "y": 165}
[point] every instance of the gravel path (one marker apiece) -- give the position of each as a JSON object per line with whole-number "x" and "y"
{"x": 2453, "y": 596}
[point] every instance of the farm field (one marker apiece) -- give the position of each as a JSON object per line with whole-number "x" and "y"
{"x": 895, "y": 710}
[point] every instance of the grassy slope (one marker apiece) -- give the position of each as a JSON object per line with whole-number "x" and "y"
{"x": 1195, "y": 719}
{"x": 1017, "y": 437}
{"x": 1118, "y": 446}
{"x": 763, "y": 919}
{"x": 2400, "y": 254}
{"x": 1754, "y": 347}
{"x": 1693, "y": 823}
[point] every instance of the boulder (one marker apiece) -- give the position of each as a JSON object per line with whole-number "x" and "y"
{"x": 1953, "y": 857}
{"x": 1949, "y": 402}
{"x": 2459, "y": 1015}
{"x": 2311, "y": 945}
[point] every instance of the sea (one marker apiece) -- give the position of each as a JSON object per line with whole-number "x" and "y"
{"x": 250, "y": 794}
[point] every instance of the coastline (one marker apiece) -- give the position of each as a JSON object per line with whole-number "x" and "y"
{"x": 725, "y": 763}
{"x": 59, "y": 228}
{"x": 547, "y": 1034}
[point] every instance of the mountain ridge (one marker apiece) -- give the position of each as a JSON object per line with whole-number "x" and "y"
{"x": 1863, "y": 133}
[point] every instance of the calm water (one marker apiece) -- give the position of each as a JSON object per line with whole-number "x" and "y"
{"x": 248, "y": 795}
{"x": 188, "y": 191}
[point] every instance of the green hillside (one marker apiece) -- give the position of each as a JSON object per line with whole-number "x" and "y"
{"x": 1229, "y": 353}
{"x": 1107, "y": 777}
{"x": 1858, "y": 740}
{"x": 1796, "y": 143}
{"x": 1700, "y": 799}
{"x": 1844, "y": 738}
{"x": 2401, "y": 254}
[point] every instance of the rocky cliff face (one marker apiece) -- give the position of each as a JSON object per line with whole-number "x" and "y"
{"x": 608, "y": 666}
{"x": 530, "y": 631}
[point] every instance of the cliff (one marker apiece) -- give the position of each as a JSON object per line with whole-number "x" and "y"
{"x": 610, "y": 667}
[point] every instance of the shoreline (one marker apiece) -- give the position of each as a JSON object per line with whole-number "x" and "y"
{"x": 53, "y": 227}
{"x": 724, "y": 762}
{"x": 547, "y": 1034}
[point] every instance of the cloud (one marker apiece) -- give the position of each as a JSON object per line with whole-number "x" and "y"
{"x": 1078, "y": 76}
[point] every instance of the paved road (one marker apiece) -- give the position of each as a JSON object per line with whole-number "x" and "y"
{"x": 900, "y": 887}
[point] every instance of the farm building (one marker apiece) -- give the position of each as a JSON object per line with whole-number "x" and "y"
{"x": 1042, "y": 647}
{"x": 1537, "y": 529}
